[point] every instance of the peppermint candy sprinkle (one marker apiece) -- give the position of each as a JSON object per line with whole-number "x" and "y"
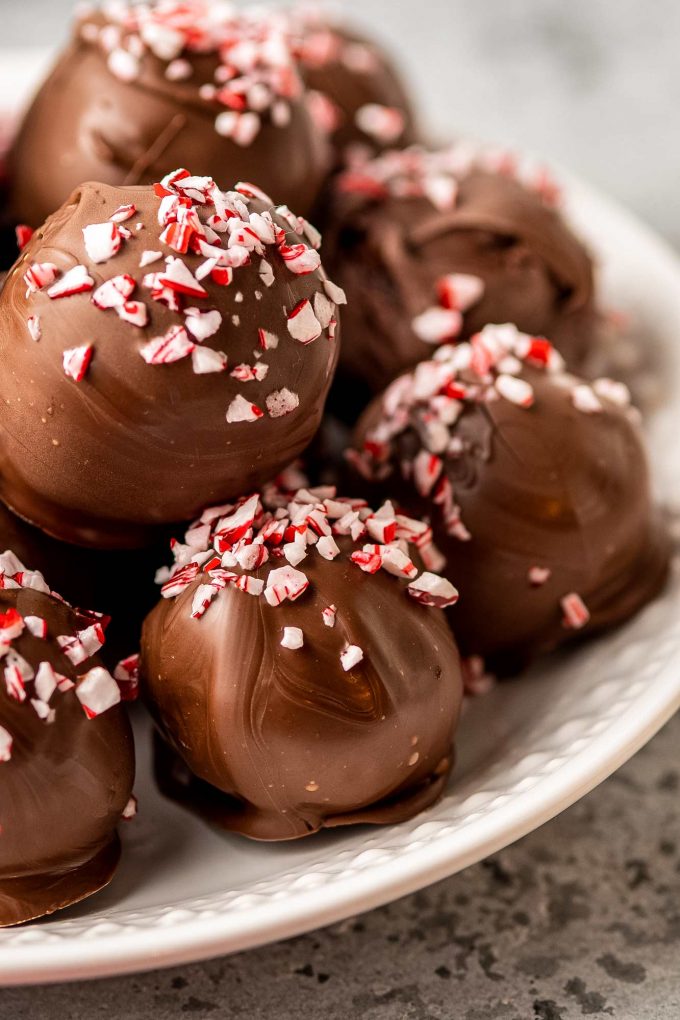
{"x": 260, "y": 544}
{"x": 40, "y": 689}
{"x": 255, "y": 78}
{"x": 221, "y": 233}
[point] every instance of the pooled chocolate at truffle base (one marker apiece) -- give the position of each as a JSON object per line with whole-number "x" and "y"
{"x": 151, "y": 370}
{"x": 430, "y": 247}
{"x": 141, "y": 90}
{"x": 537, "y": 488}
{"x": 118, "y": 583}
{"x": 358, "y": 95}
{"x": 65, "y": 779}
{"x": 318, "y": 696}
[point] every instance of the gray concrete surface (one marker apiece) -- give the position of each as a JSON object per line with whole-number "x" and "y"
{"x": 581, "y": 918}
{"x": 594, "y": 84}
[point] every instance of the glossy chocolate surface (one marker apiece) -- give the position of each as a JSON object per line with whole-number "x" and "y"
{"x": 63, "y": 791}
{"x": 277, "y": 742}
{"x": 525, "y": 492}
{"x": 391, "y": 250}
{"x": 106, "y": 460}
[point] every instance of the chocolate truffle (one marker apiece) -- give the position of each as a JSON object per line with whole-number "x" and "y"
{"x": 119, "y": 584}
{"x": 357, "y": 95}
{"x": 536, "y": 485}
{"x": 142, "y": 88}
{"x": 66, "y": 752}
{"x": 431, "y": 246}
{"x": 297, "y": 684}
{"x": 164, "y": 348}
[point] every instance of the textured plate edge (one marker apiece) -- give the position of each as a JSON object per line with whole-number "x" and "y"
{"x": 201, "y": 939}
{"x": 295, "y": 915}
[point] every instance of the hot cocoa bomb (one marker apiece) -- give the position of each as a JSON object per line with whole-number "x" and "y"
{"x": 66, "y": 752}
{"x": 431, "y": 246}
{"x": 537, "y": 488}
{"x": 141, "y": 88}
{"x": 300, "y": 668}
{"x": 357, "y": 96}
{"x": 164, "y": 348}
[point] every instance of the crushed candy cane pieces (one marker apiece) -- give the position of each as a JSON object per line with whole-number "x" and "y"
{"x": 576, "y": 613}
{"x": 351, "y": 657}
{"x": 77, "y": 360}
{"x": 293, "y": 638}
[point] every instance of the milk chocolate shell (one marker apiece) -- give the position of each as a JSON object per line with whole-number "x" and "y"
{"x": 431, "y": 246}
{"x": 142, "y": 88}
{"x": 66, "y": 752}
{"x": 357, "y": 93}
{"x": 296, "y": 685}
{"x": 119, "y": 584}
{"x": 537, "y": 488}
{"x": 163, "y": 348}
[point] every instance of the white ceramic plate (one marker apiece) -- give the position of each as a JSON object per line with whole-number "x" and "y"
{"x": 526, "y": 751}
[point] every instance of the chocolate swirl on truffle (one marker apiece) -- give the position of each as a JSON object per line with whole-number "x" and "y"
{"x": 431, "y": 246}
{"x": 141, "y": 86}
{"x": 298, "y": 685}
{"x": 66, "y": 752}
{"x": 536, "y": 485}
{"x": 165, "y": 348}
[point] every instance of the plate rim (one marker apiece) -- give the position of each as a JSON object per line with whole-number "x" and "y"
{"x": 113, "y": 953}
{"x": 295, "y": 914}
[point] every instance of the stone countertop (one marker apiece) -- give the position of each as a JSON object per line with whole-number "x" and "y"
{"x": 581, "y": 918}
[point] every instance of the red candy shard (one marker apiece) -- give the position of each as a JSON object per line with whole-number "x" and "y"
{"x": 433, "y": 590}
{"x": 172, "y": 346}
{"x": 576, "y": 613}
{"x": 76, "y": 361}
{"x": 303, "y": 324}
{"x": 102, "y": 241}
{"x": 97, "y": 691}
{"x": 241, "y": 409}
{"x": 76, "y": 281}
{"x": 23, "y": 234}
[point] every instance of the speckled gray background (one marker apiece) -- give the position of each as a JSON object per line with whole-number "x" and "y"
{"x": 582, "y": 918}
{"x": 594, "y": 84}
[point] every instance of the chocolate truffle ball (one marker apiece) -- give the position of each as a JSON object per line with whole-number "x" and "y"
{"x": 431, "y": 246}
{"x": 536, "y": 485}
{"x": 66, "y": 752}
{"x": 118, "y": 584}
{"x": 164, "y": 348}
{"x": 297, "y": 684}
{"x": 142, "y": 88}
{"x": 357, "y": 94}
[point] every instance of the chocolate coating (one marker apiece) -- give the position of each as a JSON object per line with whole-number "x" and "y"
{"x": 547, "y": 487}
{"x": 134, "y": 445}
{"x": 390, "y": 249}
{"x": 119, "y": 584}
{"x": 352, "y": 73}
{"x": 65, "y": 786}
{"x": 88, "y": 123}
{"x": 276, "y": 742}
